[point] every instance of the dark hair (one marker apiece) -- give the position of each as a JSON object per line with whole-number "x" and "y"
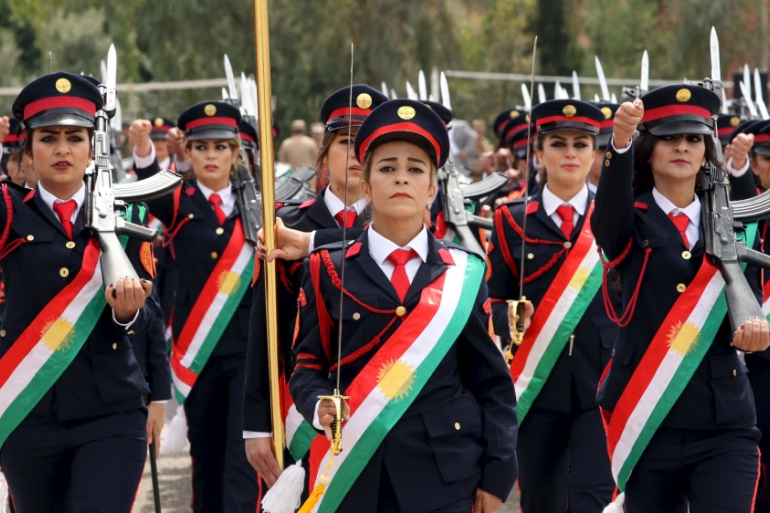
{"x": 323, "y": 151}
{"x": 643, "y": 148}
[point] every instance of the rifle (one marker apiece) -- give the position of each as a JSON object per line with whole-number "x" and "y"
{"x": 105, "y": 203}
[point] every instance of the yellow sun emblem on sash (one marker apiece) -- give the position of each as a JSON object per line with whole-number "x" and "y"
{"x": 395, "y": 379}
{"x": 57, "y": 334}
{"x": 228, "y": 282}
{"x": 579, "y": 279}
{"x": 683, "y": 338}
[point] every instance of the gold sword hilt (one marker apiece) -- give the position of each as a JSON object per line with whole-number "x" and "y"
{"x": 517, "y": 326}
{"x": 336, "y": 426}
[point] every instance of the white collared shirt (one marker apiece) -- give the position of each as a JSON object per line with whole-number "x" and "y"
{"x": 380, "y": 248}
{"x": 591, "y": 187}
{"x": 336, "y": 205}
{"x": 143, "y": 162}
{"x": 228, "y": 198}
{"x": 551, "y": 203}
{"x": 692, "y": 211}
{"x": 49, "y": 199}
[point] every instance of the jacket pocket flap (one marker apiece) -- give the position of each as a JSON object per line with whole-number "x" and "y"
{"x": 725, "y": 366}
{"x": 451, "y": 418}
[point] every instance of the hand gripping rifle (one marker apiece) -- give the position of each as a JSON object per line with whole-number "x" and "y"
{"x": 105, "y": 203}
{"x": 454, "y": 197}
{"x": 722, "y": 219}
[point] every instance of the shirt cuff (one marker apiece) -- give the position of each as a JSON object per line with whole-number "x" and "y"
{"x": 316, "y": 420}
{"x": 159, "y": 402}
{"x": 311, "y": 246}
{"x": 143, "y": 162}
{"x": 127, "y": 325}
{"x": 737, "y": 173}
{"x": 256, "y": 434}
{"x": 182, "y": 166}
{"x": 620, "y": 151}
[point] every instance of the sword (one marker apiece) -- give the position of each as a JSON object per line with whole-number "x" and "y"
{"x": 527, "y": 97}
{"x": 761, "y": 107}
{"x": 575, "y": 85}
{"x": 154, "y": 471}
{"x": 602, "y": 80}
{"x": 517, "y": 326}
{"x": 422, "y": 86}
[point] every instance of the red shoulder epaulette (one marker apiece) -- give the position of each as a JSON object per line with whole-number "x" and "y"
{"x": 353, "y": 250}
{"x": 279, "y": 206}
{"x": 446, "y": 256}
{"x": 307, "y": 204}
{"x": 641, "y": 206}
{"x": 532, "y": 207}
{"x": 190, "y": 191}
{"x": 30, "y": 195}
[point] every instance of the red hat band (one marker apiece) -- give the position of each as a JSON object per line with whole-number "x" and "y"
{"x": 11, "y": 139}
{"x": 760, "y": 138}
{"x": 563, "y": 119}
{"x": 59, "y": 102}
{"x": 400, "y": 127}
{"x": 726, "y": 130}
{"x": 197, "y": 123}
{"x": 246, "y": 137}
{"x": 675, "y": 110}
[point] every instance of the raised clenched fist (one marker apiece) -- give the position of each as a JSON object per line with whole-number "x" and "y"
{"x": 5, "y": 127}
{"x": 739, "y": 149}
{"x": 139, "y": 136}
{"x": 627, "y": 117}
{"x": 175, "y": 141}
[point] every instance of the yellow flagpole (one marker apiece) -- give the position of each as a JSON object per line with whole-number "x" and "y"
{"x": 264, "y": 96}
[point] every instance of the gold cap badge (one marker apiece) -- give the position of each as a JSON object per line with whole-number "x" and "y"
{"x": 210, "y": 109}
{"x": 158, "y": 121}
{"x": 735, "y": 121}
{"x": 683, "y": 95}
{"x": 514, "y": 114}
{"x": 406, "y": 112}
{"x": 364, "y": 101}
{"x": 607, "y": 112}
{"x": 569, "y": 110}
{"x": 63, "y": 85}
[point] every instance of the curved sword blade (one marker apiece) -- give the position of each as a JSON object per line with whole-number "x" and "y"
{"x": 575, "y": 85}
{"x": 444, "y": 86}
{"x": 602, "y": 80}
{"x": 645, "y": 82}
{"x": 422, "y": 86}
{"x": 716, "y": 67}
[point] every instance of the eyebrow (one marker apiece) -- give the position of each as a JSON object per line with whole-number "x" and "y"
{"x": 416, "y": 160}
{"x": 387, "y": 159}
{"x": 554, "y": 136}
{"x": 52, "y": 131}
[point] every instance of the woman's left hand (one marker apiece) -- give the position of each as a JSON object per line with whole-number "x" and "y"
{"x": 484, "y": 502}
{"x": 752, "y": 336}
{"x": 127, "y": 296}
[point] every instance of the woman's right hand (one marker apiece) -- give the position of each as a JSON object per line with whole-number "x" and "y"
{"x": 752, "y": 336}
{"x": 326, "y": 415}
{"x": 289, "y": 244}
{"x": 627, "y": 117}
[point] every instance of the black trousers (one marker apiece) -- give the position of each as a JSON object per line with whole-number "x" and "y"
{"x": 388, "y": 503}
{"x": 712, "y": 471}
{"x": 223, "y": 480}
{"x": 90, "y": 465}
{"x": 563, "y": 462}
{"x": 759, "y": 377}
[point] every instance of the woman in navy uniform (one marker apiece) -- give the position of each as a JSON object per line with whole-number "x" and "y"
{"x": 203, "y": 223}
{"x": 82, "y": 445}
{"x": 562, "y": 445}
{"x": 317, "y": 221}
{"x": 648, "y": 222}
{"x": 454, "y": 446}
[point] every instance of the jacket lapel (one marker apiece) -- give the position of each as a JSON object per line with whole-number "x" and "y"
{"x": 204, "y": 207}
{"x": 319, "y": 213}
{"x": 50, "y": 217}
{"x": 372, "y": 270}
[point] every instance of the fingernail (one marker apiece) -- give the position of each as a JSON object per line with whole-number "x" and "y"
{"x": 110, "y": 285}
{"x": 741, "y": 327}
{"x": 143, "y": 280}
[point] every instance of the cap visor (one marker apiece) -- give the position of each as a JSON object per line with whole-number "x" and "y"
{"x": 60, "y": 119}
{"x": 763, "y": 149}
{"x": 680, "y": 127}
{"x": 212, "y": 133}
{"x": 158, "y": 136}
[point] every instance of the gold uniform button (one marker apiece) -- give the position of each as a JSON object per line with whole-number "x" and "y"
{"x": 735, "y": 373}
{"x": 114, "y": 345}
{"x": 190, "y": 216}
{"x": 2, "y": 333}
{"x": 70, "y": 245}
{"x": 64, "y": 272}
{"x": 356, "y": 316}
{"x": 220, "y": 230}
{"x": 567, "y": 245}
{"x": 30, "y": 237}
{"x": 613, "y": 352}
{"x": 645, "y": 243}
{"x": 530, "y": 256}
{"x": 457, "y": 426}
{"x": 681, "y": 287}
{"x": 606, "y": 163}
{"x": 131, "y": 332}
{"x": 609, "y": 155}
{"x": 401, "y": 311}
{"x": 686, "y": 255}
{"x": 214, "y": 255}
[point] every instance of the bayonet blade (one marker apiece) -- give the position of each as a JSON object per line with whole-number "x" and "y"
{"x": 103, "y": 67}
{"x": 116, "y": 122}
{"x": 747, "y": 79}
{"x": 233, "y": 92}
{"x": 596, "y": 98}
{"x": 761, "y": 107}
{"x": 716, "y": 66}
{"x": 725, "y": 110}
{"x": 575, "y": 86}
{"x": 112, "y": 73}
{"x": 527, "y": 97}
{"x": 602, "y": 79}
{"x": 444, "y": 86}
{"x": 541, "y": 93}
{"x": 410, "y": 93}
{"x": 645, "y": 82}
{"x": 557, "y": 91}
{"x": 254, "y": 100}
{"x": 747, "y": 98}
{"x": 246, "y": 101}
{"x": 613, "y": 98}
{"x": 422, "y": 86}
{"x": 393, "y": 95}
{"x": 384, "y": 87}
{"x": 225, "y": 96}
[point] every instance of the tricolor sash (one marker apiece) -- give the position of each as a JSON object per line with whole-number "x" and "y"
{"x": 392, "y": 379}
{"x": 666, "y": 368}
{"x": 766, "y": 300}
{"x": 556, "y": 316}
{"x": 211, "y": 313}
{"x": 46, "y": 348}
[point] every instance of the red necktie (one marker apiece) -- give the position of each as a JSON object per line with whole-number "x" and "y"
{"x": 566, "y": 213}
{"x": 216, "y": 201}
{"x": 681, "y": 222}
{"x": 399, "y": 279}
{"x": 350, "y": 218}
{"x": 65, "y": 210}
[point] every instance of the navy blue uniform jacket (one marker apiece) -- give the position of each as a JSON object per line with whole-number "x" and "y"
{"x": 104, "y": 377}
{"x": 458, "y": 434}
{"x": 718, "y": 395}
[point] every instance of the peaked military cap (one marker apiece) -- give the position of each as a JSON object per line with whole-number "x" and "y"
{"x": 502, "y": 120}
{"x": 210, "y": 120}
{"x": 336, "y": 111}
{"x": 13, "y": 141}
{"x": 444, "y": 113}
{"x": 515, "y": 133}
{"x": 248, "y": 133}
{"x": 59, "y": 98}
{"x": 679, "y": 109}
{"x": 408, "y": 120}
{"x": 726, "y": 125}
{"x": 561, "y": 115}
{"x": 160, "y": 127}
{"x": 605, "y": 127}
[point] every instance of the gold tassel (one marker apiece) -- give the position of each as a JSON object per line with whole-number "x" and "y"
{"x": 319, "y": 489}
